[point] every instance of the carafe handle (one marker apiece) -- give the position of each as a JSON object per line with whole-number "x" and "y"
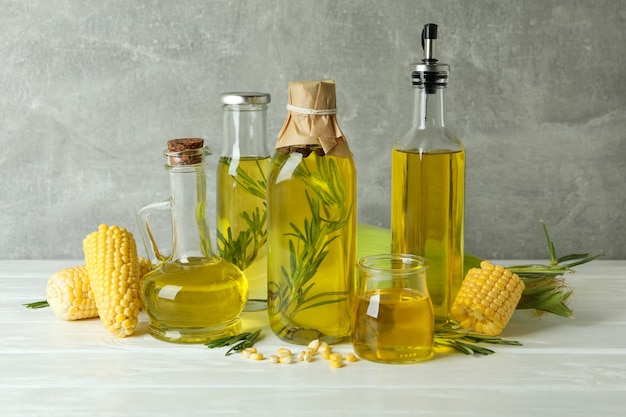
{"x": 146, "y": 233}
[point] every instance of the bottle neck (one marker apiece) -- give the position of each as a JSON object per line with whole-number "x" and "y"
{"x": 190, "y": 228}
{"x": 429, "y": 109}
{"x": 245, "y": 131}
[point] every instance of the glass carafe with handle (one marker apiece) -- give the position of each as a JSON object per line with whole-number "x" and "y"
{"x": 192, "y": 295}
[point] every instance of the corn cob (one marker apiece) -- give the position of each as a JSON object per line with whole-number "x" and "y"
{"x": 113, "y": 269}
{"x": 487, "y": 299}
{"x": 69, "y": 294}
{"x": 145, "y": 266}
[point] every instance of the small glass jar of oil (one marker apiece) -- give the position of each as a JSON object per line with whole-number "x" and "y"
{"x": 192, "y": 295}
{"x": 392, "y": 317}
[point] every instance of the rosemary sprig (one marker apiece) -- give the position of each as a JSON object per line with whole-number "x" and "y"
{"x": 309, "y": 242}
{"x": 327, "y": 185}
{"x": 37, "y": 304}
{"x": 307, "y": 251}
{"x": 243, "y": 249}
{"x": 237, "y": 342}
{"x": 451, "y": 335}
{"x": 255, "y": 187}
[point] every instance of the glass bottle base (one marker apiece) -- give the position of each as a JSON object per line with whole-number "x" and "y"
{"x": 397, "y": 355}
{"x": 255, "y": 305}
{"x": 193, "y": 334}
{"x": 302, "y": 336}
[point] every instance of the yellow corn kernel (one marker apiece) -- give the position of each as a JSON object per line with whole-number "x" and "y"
{"x": 145, "y": 266}
{"x": 69, "y": 295}
{"x": 113, "y": 269}
{"x": 273, "y": 359}
{"x": 284, "y": 353}
{"x": 324, "y": 347}
{"x": 256, "y": 356}
{"x": 336, "y": 363}
{"x": 286, "y": 359}
{"x": 314, "y": 345}
{"x": 336, "y": 356}
{"x": 487, "y": 298}
{"x": 351, "y": 357}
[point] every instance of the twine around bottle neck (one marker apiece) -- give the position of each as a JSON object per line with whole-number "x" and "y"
{"x": 313, "y": 112}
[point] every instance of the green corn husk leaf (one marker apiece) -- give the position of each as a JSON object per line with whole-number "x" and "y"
{"x": 546, "y": 289}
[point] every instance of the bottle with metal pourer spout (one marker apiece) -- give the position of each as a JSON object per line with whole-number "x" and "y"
{"x": 428, "y": 183}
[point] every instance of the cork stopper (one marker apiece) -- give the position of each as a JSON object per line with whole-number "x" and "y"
{"x": 185, "y": 151}
{"x": 183, "y": 144}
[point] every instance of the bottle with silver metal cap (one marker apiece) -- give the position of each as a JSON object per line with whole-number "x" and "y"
{"x": 428, "y": 183}
{"x": 241, "y": 190}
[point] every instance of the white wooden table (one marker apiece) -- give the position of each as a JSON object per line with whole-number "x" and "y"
{"x": 49, "y": 367}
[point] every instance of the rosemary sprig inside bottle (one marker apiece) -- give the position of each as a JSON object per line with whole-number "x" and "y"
{"x": 306, "y": 252}
{"x": 242, "y": 250}
{"x": 296, "y": 289}
{"x": 237, "y": 342}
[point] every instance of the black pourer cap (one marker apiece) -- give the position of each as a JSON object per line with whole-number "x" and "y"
{"x": 430, "y": 31}
{"x": 429, "y": 34}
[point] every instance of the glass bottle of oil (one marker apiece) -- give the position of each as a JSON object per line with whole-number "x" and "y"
{"x": 311, "y": 221}
{"x": 242, "y": 172}
{"x": 428, "y": 182}
{"x": 192, "y": 295}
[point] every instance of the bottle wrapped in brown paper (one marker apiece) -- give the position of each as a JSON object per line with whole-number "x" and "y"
{"x": 311, "y": 222}
{"x": 312, "y": 118}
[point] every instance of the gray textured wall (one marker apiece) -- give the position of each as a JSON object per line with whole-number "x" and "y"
{"x": 90, "y": 92}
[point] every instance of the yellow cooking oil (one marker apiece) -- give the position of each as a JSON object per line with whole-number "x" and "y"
{"x": 393, "y": 325}
{"x": 241, "y": 201}
{"x": 194, "y": 301}
{"x": 311, "y": 263}
{"x": 427, "y": 218}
